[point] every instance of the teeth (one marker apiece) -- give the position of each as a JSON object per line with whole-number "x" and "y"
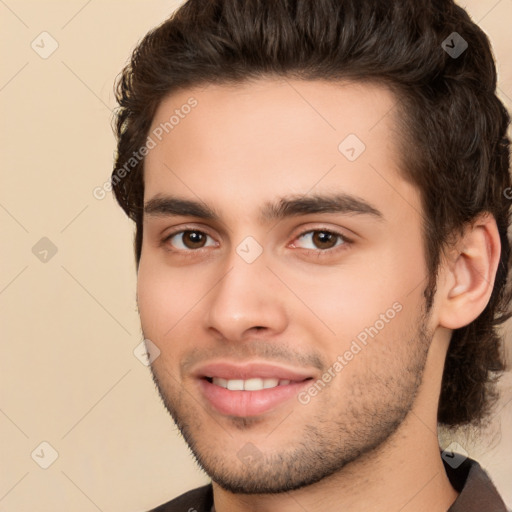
{"x": 255, "y": 384}
{"x": 235, "y": 385}
{"x": 269, "y": 383}
{"x": 223, "y": 383}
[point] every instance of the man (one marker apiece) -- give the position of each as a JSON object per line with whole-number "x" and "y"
{"x": 318, "y": 191}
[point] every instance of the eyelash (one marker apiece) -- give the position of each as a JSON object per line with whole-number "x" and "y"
{"x": 346, "y": 242}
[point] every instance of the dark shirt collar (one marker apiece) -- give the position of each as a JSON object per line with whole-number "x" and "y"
{"x": 477, "y": 492}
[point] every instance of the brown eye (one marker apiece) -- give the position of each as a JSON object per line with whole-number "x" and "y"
{"x": 322, "y": 239}
{"x": 188, "y": 240}
{"x": 193, "y": 239}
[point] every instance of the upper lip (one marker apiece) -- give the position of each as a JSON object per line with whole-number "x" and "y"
{"x": 232, "y": 371}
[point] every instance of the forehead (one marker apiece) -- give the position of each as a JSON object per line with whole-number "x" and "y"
{"x": 240, "y": 144}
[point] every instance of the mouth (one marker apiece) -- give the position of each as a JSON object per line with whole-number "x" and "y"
{"x": 253, "y": 384}
{"x": 249, "y": 390}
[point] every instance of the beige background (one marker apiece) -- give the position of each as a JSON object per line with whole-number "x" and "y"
{"x": 69, "y": 325}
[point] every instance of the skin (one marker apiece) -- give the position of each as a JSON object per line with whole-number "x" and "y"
{"x": 368, "y": 440}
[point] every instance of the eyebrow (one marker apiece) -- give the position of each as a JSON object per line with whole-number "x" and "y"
{"x": 285, "y": 207}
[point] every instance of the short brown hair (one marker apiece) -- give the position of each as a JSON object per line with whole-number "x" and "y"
{"x": 448, "y": 109}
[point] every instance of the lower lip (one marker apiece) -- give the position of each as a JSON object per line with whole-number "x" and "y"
{"x": 248, "y": 403}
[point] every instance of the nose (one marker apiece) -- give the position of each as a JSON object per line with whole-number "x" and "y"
{"x": 247, "y": 299}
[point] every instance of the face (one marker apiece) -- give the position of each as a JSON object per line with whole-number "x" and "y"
{"x": 281, "y": 278}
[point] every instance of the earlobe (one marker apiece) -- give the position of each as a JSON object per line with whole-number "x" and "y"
{"x": 471, "y": 272}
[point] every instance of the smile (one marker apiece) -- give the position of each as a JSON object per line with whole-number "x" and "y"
{"x": 250, "y": 389}
{"x": 254, "y": 384}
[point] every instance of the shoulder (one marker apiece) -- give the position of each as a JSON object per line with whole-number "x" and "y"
{"x": 197, "y": 500}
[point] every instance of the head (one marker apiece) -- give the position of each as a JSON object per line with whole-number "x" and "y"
{"x": 435, "y": 164}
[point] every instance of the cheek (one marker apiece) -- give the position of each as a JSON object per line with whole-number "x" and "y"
{"x": 162, "y": 299}
{"x": 165, "y": 302}
{"x": 371, "y": 294}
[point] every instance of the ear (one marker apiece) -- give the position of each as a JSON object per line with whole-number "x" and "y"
{"x": 468, "y": 273}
